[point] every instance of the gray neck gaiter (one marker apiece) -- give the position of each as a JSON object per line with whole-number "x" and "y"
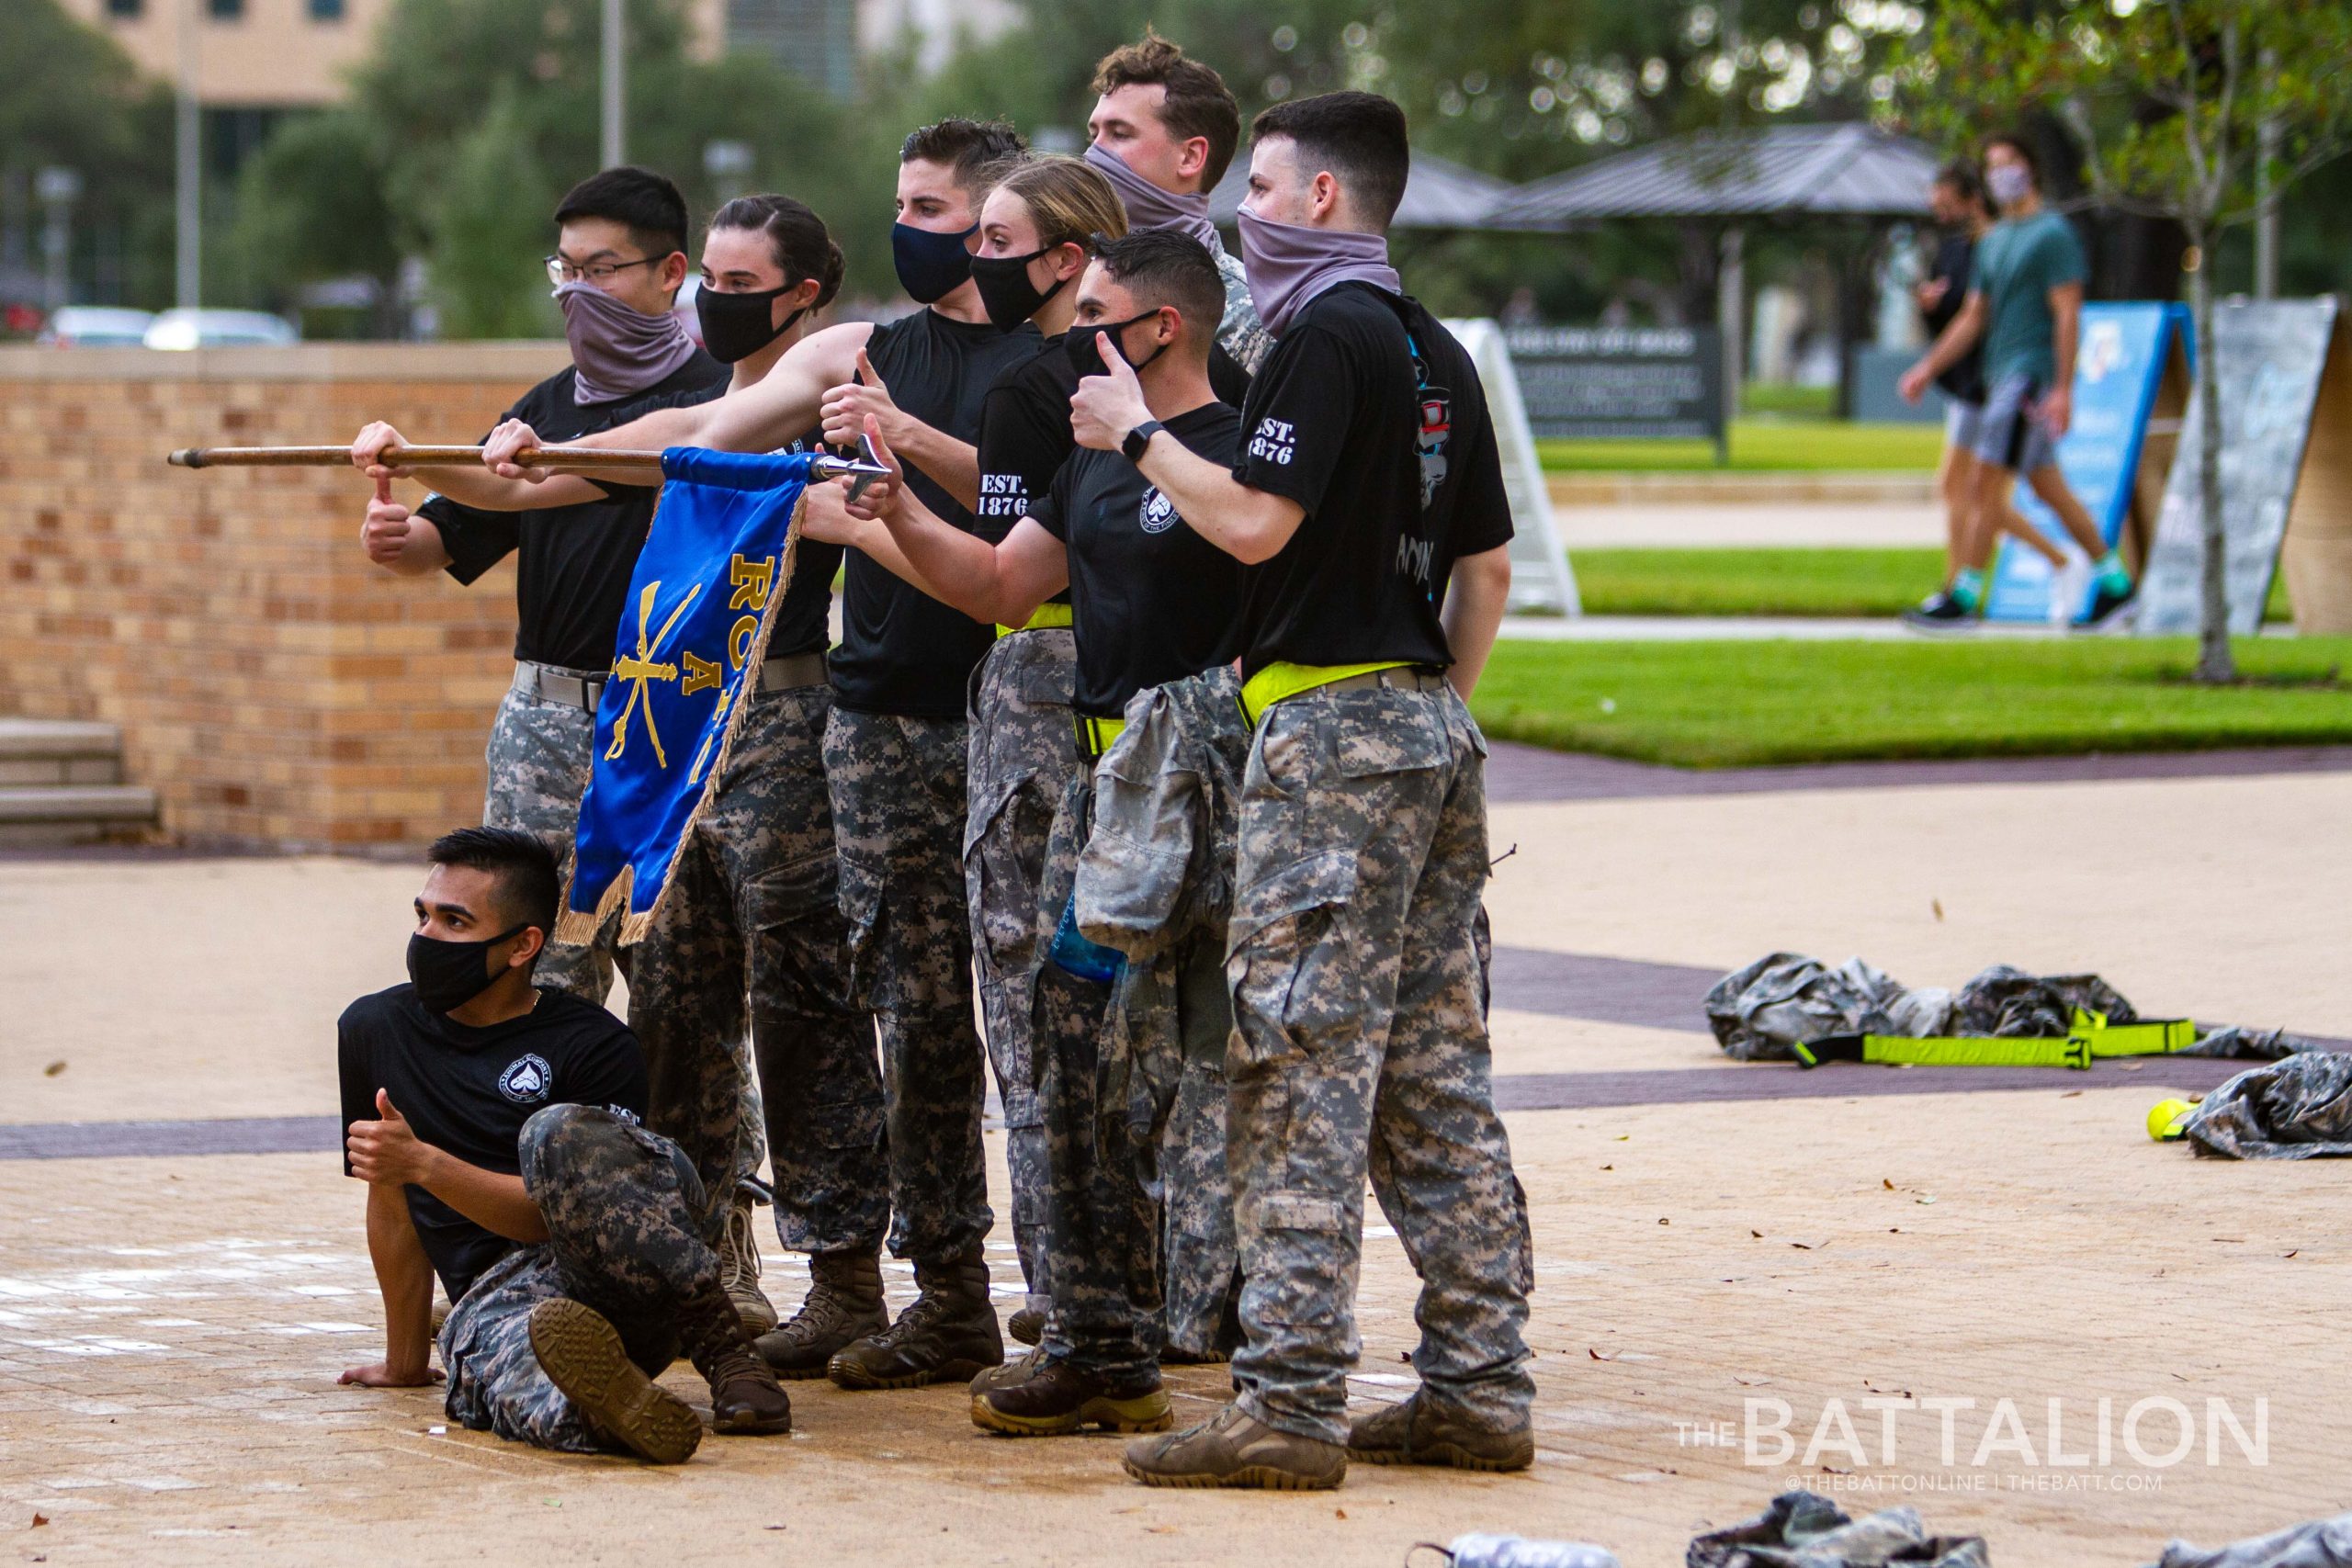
{"x": 1290, "y": 264}
{"x": 618, "y": 350}
{"x": 1148, "y": 206}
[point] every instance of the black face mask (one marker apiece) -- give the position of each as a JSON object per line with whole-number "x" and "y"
{"x": 451, "y": 974}
{"x": 930, "y": 266}
{"x": 1006, "y": 292}
{"x": 1087, "y": 360}
{"x": 735, "y": 326}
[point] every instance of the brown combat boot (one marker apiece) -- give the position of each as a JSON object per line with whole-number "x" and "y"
{"x": 745, "y": 1398}
{"x": 1028, "y": 1325}
{"x": 1420, "y": 1431}
{"x": 1233, "y": 1450}
{"x": 1056, "y": 1399}
{"x": 843, "y": 1305}
{"x": 948, "y": 1334}
{"x": 581, "y": 1354}
{"x": 1018, "y": 1370}
{"x": 739, "y": 1265}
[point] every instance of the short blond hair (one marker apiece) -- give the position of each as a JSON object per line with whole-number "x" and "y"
{"x": 1068, "y": 199}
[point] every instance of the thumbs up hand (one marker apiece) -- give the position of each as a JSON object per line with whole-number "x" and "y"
{"x": 1107, "y": 406}
{"x": 386, "y": 1151}
{"x": 846, "y": 408}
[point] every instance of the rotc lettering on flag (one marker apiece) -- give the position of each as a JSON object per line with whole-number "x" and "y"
{"x": 715, "y": 564}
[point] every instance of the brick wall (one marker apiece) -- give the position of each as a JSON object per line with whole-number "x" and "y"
{"x": 272, "y": 685}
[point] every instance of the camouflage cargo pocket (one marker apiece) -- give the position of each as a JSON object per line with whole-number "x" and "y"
{"x": 865, "y": 920}
{"x": 1305, "y": 1231}
{"x": 1291, "y": 972}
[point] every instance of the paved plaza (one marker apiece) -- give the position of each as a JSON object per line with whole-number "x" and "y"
{"x": 1733, "y": 1263}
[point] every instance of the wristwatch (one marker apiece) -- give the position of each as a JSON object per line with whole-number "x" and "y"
{"x": 1139, "y": 438}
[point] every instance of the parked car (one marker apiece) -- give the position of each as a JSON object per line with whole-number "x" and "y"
{"x": 220, "y": 329}
{"x": 95, "y": 326}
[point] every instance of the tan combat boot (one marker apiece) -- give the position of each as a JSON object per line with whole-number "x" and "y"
{"x": 1420, "y": 1431}
{"x": 948, "y": 1334}
{"x": 1232, "y": 1448}
{"x": 843, "y": 1305}
{"x": 582, "y": 1353}
{"x": 739, "y": 1265}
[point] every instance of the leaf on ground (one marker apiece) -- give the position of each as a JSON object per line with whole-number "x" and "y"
{"x": 2290, "y": 1254}
{"x": 1339, "y": 1513}
{"x": 1937, "y": 905}
{"x": 40, "y": 1520}
{"x": 2072, "y": 1094}
{"x": 1160, "y": 1529}
{"x": 1608, "y": 1167}
{"x": 1598, "y": 1356}
{"x": 52, "y": 1070}
{"x": 1662, "y": 1220}
{"x": 1758, "y": 1235}
{"x": 1882, "y": 1181}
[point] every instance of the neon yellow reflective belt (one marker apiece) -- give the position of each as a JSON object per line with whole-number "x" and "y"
{"x": 1095, "y": 735}
{"x": 1047, "y": 615}
{"x": 2149, "y": 1037}
{"x": 1279, "y": 682}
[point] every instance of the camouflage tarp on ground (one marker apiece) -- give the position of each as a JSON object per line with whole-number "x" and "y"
{"x": 1805, "y": 1530}
{"x": 1785, "y": 999}
{"x": 2323, "y": 1543}
{"x": 2297, "y": 1108}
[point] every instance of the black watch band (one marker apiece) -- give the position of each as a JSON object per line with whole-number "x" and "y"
{"x": 1139, "y": 438}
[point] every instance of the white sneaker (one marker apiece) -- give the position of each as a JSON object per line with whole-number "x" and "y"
{"x": 2068, "y": 586}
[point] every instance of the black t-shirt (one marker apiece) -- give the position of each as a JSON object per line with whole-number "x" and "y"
{"x": 468, "y": 1092}
{"x": 1227, "y": 379}
{"x": 1025, "y": 439}
{"x": 1152, "y": 600}
{"x": 1955, "y": 260}
{"x": 1396, "y": 468}
{"x": 902, "y": 651}
{"x": 576, "y": 560}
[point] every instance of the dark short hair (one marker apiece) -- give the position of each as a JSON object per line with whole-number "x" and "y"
{"x": 973, "y": 149}
{"x": 2015, "y": 141}
{"x": 1357, "y": 137}
{"x": 646, "y": 203}
{"x": 1959, "y": 177}
{"x": 1198, "y": 103}
{"x": 1167, "y": 267}
{"x": 802, "y": 245}
{"x": 529, "y": 888}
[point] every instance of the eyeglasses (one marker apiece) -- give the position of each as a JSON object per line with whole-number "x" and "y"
{"x": 560, "y": 272}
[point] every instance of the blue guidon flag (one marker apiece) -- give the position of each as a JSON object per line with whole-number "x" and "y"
{"x": 694, "y": 633}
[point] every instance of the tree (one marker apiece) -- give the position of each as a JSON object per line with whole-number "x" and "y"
{"x": 311, "y": 205}
{"x": 2198, "y": 111}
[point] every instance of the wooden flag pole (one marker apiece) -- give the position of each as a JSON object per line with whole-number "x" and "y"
{"x": 562, "y": 458}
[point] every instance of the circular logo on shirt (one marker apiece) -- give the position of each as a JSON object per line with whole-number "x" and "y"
{"x": 1158, "y": 512}
{"x": 527, "y": 1081}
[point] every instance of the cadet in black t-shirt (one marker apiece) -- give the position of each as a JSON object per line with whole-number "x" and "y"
{"x": 619, "y": 261}
{"x": 497, "y": 1126}
{"x": 750, "y": 911}
{"x": 895, "y": 764}
{"x": 1151, "y": 602}
{"x": 1369, "y": 499}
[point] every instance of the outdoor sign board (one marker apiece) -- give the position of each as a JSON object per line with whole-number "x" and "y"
{"x": 1620, "y": 381}
{"x": 2120, "y": 366}
{"x": 1541, "y": 579}
{"x": 2270, "y": 358}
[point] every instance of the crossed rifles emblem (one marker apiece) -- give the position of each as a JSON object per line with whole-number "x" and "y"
{"x": 751, "y": 582}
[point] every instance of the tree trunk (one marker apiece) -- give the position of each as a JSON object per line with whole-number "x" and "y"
{"x": 2214, "y": 664}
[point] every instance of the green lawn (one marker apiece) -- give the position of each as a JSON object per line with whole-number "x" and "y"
{"x": 1764, "y": 446}
{"x": 1801, "y": 580}
{"x": 1741, "y": 704}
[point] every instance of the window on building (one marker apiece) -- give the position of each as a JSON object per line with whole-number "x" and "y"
{"x": 326, "y": 10}
{"x": 125, "y": 10}
{"x": 225, "y": 10}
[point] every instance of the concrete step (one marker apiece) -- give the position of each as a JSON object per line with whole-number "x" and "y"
{"x": 37, "y": 752}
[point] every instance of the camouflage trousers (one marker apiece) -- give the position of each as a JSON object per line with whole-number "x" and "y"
{"x": 897, "y": 794}
{"x": 626, "y": 1236}
{"x": 538, "y": 758}
{"x": 1176, "y": 1018}
{"x": 747, "y": 954}
{"x": 1359, "y": 1049}
{"x": 1024, "y": 751}
{"x": 1102, "y": 1226}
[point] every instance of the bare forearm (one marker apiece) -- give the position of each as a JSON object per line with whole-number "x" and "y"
{"x": 1249, "y": 524}
{"x": 404, "y": 1275}
{"x": 955, "y": 465}
{"x": 1958, "y": 338}
{"x": 497, "y": 1203}
{"x": 955, "y": 568}
{"x": 1475, "y": 603}
{"x": 2065, "y": 332}
{"x": 474, "y": 485}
